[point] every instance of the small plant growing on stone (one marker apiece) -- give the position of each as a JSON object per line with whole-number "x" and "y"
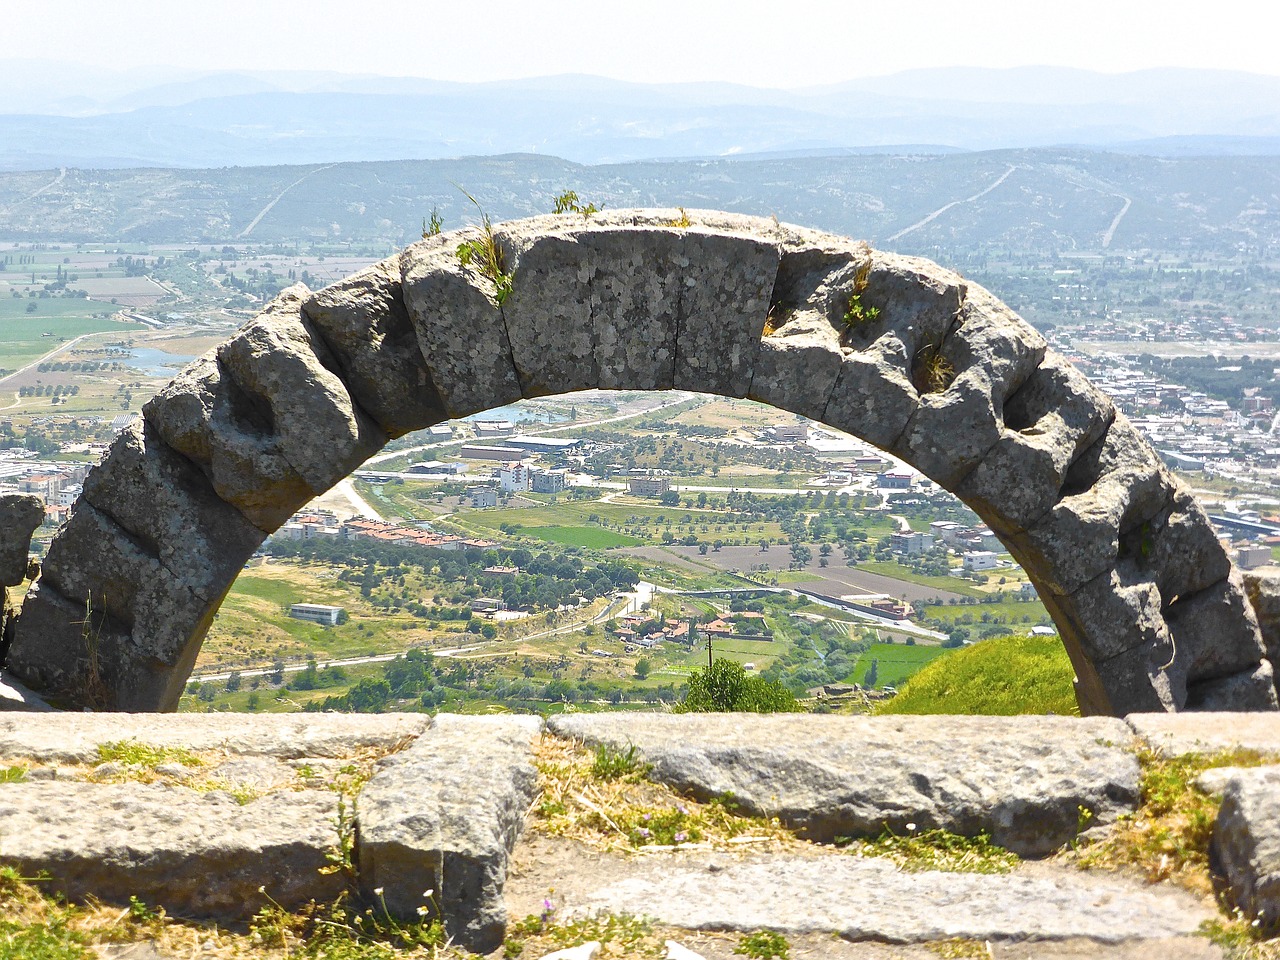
{"x": 683, "y": 220}
{"x": 614, "y": 763}
{"x": 933, "y": 371}
{"x": 94, "y": 692}
{"x": 486, "y": 254}
{"x": 568, "y": 202}
{"x": 142, "y": 914}
{"x": 13, "y": 774}
{"x": 764, "y": 945}
{"x": 856, "y": 313}
{"x": 433, "y": 226}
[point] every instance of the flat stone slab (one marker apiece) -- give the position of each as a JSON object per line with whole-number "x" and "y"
{"x": 75, "y": 737}
{"x": 869, "y": 899}
{"x": 1177, "y": 733}
{"x": 1022, "y": 780}
{"x": 197, "y": 855}
{"x": 1246, "y": 843}
{"x": 443, "y": 816}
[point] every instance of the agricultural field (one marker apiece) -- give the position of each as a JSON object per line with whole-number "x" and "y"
{"x": 893, "y": 663}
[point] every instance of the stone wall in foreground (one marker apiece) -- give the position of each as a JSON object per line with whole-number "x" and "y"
{"x": 222, "y": 811}
{"x": 895, "y": 350}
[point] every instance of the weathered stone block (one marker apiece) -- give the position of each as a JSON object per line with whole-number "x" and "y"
{"x": 1246, "y": 845}
{"x": 798, "y": 366}
{"x": 1215, "y": 631}
{"x": 1262, "y": 587}
{"x": 75, "y": 737}
{"x": 1114, "y": 487}
{"x": 1176, "y": 733}
{"x": 459, "y": 326}
{"x": 204, "y": 416}
{"x": 162, "y": 500}
{"x": 364, "y": 323}
{"x": 20, "y": 514}
{"x": 1253, "y": 688}
{"x": 951, "y": 431}
{"x": 1020, "y": 779}
{"x": 194, "y": 855}
{"x": 1119, "y": 611}
{"x": 726, "y": 288}
{"x": 277, "y": 361}
{"x": 873, "y": 397}
{"x": 443, "y": 816}
{"x": 548, "y": 315}
{"x": 1048, "y": 422}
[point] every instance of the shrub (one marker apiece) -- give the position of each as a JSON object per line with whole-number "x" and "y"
{"x": 725, "y": 686}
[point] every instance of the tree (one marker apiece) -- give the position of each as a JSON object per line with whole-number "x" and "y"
{"x": 873, "y": 673}
{"x": 643, "y": 667}
{"x": 233, "y": 681}
{"x": 725, "y": 686}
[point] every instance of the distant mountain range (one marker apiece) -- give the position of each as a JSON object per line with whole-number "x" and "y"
{"x": 61, "y": 115}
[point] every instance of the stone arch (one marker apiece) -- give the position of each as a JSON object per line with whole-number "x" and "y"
{"x": 934, "y": 370}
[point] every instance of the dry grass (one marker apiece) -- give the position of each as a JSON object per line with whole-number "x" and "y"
{"x": 630, "y": 812}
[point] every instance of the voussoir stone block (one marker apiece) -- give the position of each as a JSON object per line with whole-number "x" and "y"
{"x": 459, "y": 326}
{"x": 1048, "y": 422}
{"x": 726, "y": 288}
{"x": 160, "y": 498}
{"x": 1023, "y": 780}
{"x": 1216, "y": 632}
{"x": 20, "y": 514}
{"x": 1113, "y": 487}
{"x": 195, "y": 855}
{"x": 873, "y": 397}
{"x": 443, "y": 816}
{"x": 279, "y": 362}
{"x": 364, "y": 323}
{"x": 205, "y": 417}
{"x": 798, "y": 366}
{"x": 1262, "y": 587}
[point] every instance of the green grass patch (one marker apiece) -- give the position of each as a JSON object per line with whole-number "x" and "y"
{"x": 919, "y": 850}
{"x": 136, "y": 753}
{"x": 591, "y": 537}
{"x": 1002, "y": 676}
{"x": 895, "y": 662}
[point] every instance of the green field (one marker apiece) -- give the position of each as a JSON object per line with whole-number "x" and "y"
{"x": 591, "y": 537}
{"x": 895, "y": 662}
{"x": 897, "y": 571}
{"x": 1007, "y": 611}
{"x": 22, "y": 334}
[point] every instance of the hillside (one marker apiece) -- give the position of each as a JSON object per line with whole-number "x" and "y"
{"x": 1031, "y": 201}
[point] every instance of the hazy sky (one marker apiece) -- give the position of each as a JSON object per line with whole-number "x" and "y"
{"x": 775, "y": 44}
